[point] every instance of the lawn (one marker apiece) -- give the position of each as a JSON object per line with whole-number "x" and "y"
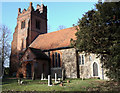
{"x": 74, "y": 85}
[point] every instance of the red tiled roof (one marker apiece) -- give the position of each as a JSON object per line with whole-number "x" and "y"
{"x": 55, "y": 39}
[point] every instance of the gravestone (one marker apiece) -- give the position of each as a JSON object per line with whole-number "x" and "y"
{"x": 42, "y": 77}
{"x": 49, "y": 81}
{"x": 20, "y": 81}
{"x": 55, "y": 77}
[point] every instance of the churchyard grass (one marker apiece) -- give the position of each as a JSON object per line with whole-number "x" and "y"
{"x": 74, "y": 85}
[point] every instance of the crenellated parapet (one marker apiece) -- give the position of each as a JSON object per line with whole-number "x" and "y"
{"x": 40, "y": 10}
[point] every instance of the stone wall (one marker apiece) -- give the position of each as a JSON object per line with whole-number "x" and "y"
{"x": 86, "y": 69}
{"x": 68, "y": 63}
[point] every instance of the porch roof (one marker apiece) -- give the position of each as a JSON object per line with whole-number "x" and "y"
{"x": 39, "y": 54}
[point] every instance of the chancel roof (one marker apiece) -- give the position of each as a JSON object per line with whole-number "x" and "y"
{"x": 57, "y": 39}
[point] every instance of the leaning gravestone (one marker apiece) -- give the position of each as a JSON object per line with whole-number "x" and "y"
{"x": 49, "y": 81}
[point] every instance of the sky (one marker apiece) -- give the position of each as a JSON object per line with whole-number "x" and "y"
{"x": 59, "y": 13}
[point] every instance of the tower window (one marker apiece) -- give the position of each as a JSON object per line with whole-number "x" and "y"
{"x": 37, "y": 24}
{"x": 23, "y": 24}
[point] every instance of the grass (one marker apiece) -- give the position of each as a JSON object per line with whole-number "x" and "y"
{"x": 74, "y": 85}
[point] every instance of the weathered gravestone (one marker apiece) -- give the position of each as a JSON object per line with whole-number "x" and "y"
{"x": 49, "y": 81}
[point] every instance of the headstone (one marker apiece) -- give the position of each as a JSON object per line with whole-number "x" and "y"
{"x": 63, "y": 74}
{"x": 42, "y": 77}
{"x": 49, "y": 81}
{"x": 33, "y": 76}
{"x": 20, "y": 81}
{"x": 55, "y": 77}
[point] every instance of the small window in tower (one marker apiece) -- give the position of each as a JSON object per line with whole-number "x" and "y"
{"x": 23, "y": 24}
{"x": 37, "y": 24}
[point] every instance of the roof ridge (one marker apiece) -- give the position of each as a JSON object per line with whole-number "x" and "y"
{"x": 56, "y": 31}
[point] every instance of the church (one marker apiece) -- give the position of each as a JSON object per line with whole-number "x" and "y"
{"x": 35, "y": 52}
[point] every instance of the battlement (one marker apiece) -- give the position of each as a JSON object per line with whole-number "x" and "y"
{"x": 41, "y": 9}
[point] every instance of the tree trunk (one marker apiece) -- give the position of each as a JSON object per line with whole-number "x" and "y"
{"x": 3, "y": 59}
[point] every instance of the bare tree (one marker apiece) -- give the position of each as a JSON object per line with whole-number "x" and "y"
{"x": 61, "y": 27}
{"x": 4, "y": 46}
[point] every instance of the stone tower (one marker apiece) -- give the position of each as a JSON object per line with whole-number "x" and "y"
{"x": 30, "y": 23}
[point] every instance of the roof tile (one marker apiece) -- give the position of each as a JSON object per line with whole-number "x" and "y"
{"x": 57, "y": 39}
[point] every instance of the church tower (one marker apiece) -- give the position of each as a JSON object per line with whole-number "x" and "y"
{"x": 30, "y": 23}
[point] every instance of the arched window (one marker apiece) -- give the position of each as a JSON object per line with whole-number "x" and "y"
{"x": 56, "y": 59}
{"x": 95, "y": 69}
{"x": 52, "y": 60}
{"x": 56, "y": 62}
{"x": 37, "y": 24}
{"x": 81, "y": 59}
